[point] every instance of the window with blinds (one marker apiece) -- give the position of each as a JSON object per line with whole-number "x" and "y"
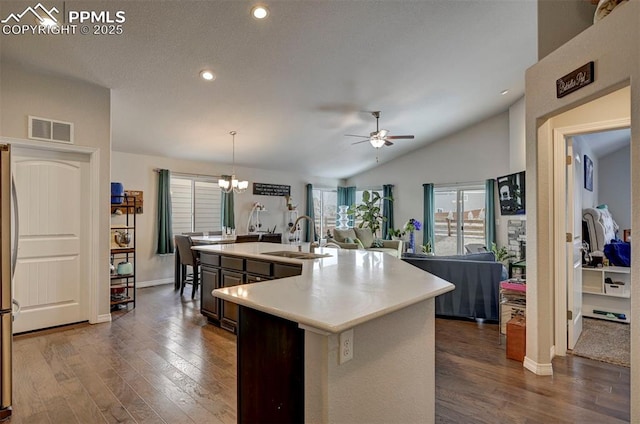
{"x": 195, "y": 204}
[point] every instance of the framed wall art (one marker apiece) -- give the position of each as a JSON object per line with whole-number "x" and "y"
{"x": 588, "y": 173}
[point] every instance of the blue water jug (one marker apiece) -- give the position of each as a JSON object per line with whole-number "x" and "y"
{"x": 117, "y": 193}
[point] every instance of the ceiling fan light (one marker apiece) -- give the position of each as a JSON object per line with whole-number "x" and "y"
{"x": 377, "y": 142}
{"x": 383, "y": 133}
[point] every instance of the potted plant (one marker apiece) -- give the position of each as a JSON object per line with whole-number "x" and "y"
{"x": 369, "y": 211}
{"x": 411, "y": 226}
{"x": 396, "y": 233}
{"x": 502, "y": 254}
{"x": 426, "y": 248}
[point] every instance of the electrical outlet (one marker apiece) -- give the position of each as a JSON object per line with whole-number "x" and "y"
{"x": 346, "y": 346}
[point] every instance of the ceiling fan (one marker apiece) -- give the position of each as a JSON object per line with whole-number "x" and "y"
{"x": 380, "y": 137}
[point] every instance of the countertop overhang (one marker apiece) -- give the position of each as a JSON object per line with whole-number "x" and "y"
{"x": 333, "y": 293}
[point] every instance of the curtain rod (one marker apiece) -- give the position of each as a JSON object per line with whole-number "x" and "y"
{"x": 186, "y": 174}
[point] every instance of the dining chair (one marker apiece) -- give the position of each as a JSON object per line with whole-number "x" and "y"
{"x": 188, "y": 257}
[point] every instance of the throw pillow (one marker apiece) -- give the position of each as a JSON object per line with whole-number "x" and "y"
{"x": 377, "y": 243}
{"x": 365, "y": 235}
{"x": 342, "y": 235}
{"x": 348, "y": 240}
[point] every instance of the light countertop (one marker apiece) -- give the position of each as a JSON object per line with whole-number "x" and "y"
{"x": 335, "y": 293}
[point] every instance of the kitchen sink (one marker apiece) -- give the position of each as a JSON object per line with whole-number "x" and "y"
{"x": 297, "y": 255}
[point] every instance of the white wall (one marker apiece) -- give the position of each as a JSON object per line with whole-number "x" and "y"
{"x": 581, "y": 148}
{"x": 474, "y": 154}
{"x": 560, "y": 21}
{"x": 24, "y": 92}
{"x": 617, "y": 66}
{"x": 517, "y": 156}
{"x": 614, "y": 183}
{"x": 136, "y": 172}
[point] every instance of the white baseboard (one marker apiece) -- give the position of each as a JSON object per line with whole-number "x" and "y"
{"x": 151, "y": 283}
{"x": 103, "y": 318}
{"x": 538, "y": 369}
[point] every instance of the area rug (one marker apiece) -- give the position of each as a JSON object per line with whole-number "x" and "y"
{"x": 604, "y": 341}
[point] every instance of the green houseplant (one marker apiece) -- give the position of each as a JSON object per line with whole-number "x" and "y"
{"x": 369, "y": 211}
{"x": 502, "y": 254}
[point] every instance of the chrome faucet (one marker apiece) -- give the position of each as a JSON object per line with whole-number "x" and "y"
{"x": 313, "y": 244}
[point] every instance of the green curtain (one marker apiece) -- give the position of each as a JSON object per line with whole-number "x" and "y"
{"x": 387, "y": 210}
{"x": 490, "y": 213}
{"x": 165, "y": 232}
{"x": 310, "y": 213}
{"x": 429, "y": 227}
{"x": 228, "y": 214}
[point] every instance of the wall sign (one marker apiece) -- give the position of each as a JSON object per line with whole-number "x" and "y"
{"x": 264, "y": 189}
{"x": 575, "y": 80}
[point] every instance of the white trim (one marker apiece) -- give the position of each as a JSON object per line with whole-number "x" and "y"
{"x": 43, "y": 145}
{"x": 560, "y": 135}
{"x": 94, "y": 237}
{"x": 94, "y": 214}
{"x": 152, "y": 283}
{"x": 538, "y": 369}
{"x": 102, "y": 319}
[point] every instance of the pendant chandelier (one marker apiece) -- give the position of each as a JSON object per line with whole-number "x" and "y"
{"x": 230, "y": 184}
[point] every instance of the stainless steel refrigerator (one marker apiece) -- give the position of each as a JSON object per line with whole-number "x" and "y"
{"x": 6, "y": 273}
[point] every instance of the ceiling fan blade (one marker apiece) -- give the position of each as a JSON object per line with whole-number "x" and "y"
{"x": 401, "y": 137}
{"x": 354, "y": 135}
{"x": 388, "y": 143}
{"x": 358, "y": 142}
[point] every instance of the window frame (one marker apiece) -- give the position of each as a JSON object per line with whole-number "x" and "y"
{"x": 196, "y": 198}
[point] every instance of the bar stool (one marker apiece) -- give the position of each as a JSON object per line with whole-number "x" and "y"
{"x": 188, "y": 257}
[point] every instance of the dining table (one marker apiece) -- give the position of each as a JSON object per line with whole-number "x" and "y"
{"x": 198, "y": 241}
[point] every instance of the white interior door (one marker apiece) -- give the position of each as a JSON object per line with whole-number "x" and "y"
{"x": 574, "y": 254}
{"x": 51, "y": 277}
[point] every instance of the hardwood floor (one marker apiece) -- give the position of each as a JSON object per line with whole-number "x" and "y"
{"x": 162, "y": 363}
{"x": 476, "y": 383}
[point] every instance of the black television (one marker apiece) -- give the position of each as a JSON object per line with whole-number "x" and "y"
{"x": 511, "y": 191}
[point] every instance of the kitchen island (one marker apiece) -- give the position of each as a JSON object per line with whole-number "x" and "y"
{"x": 350, "y": 339}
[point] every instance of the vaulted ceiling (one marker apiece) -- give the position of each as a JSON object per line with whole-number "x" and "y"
{"x": 293, "y": 84}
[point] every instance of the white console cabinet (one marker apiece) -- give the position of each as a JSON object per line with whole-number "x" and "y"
{"x": 607, "y": 299}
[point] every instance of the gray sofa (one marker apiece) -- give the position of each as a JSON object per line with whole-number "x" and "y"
{"x": 348, "y": 239}
{"x": 476, "y": 277}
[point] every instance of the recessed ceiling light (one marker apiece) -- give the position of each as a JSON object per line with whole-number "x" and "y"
{"x": 207, "y": 75}
{"x": 259, "y": 11}
{"x": 503, "y": 92}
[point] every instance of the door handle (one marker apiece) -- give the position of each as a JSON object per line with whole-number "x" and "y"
{"x": 17, "y": 309}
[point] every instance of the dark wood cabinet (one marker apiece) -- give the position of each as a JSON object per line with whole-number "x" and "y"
{"x": 219, "y": 271}
{"x": 282, "y": 271}
{"x": 210, "y": 305}
{"x": 270, "y": 369}
{"x": 229, "y": 310}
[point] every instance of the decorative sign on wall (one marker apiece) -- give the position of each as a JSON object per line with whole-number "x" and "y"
{"x": 264, "y": 189}
{"x": 575, "y": 80}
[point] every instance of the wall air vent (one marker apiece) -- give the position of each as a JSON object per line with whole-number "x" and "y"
{"x": 50, "y": 130}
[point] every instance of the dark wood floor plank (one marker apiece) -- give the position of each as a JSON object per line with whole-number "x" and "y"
{"x": 163, "y": 362}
